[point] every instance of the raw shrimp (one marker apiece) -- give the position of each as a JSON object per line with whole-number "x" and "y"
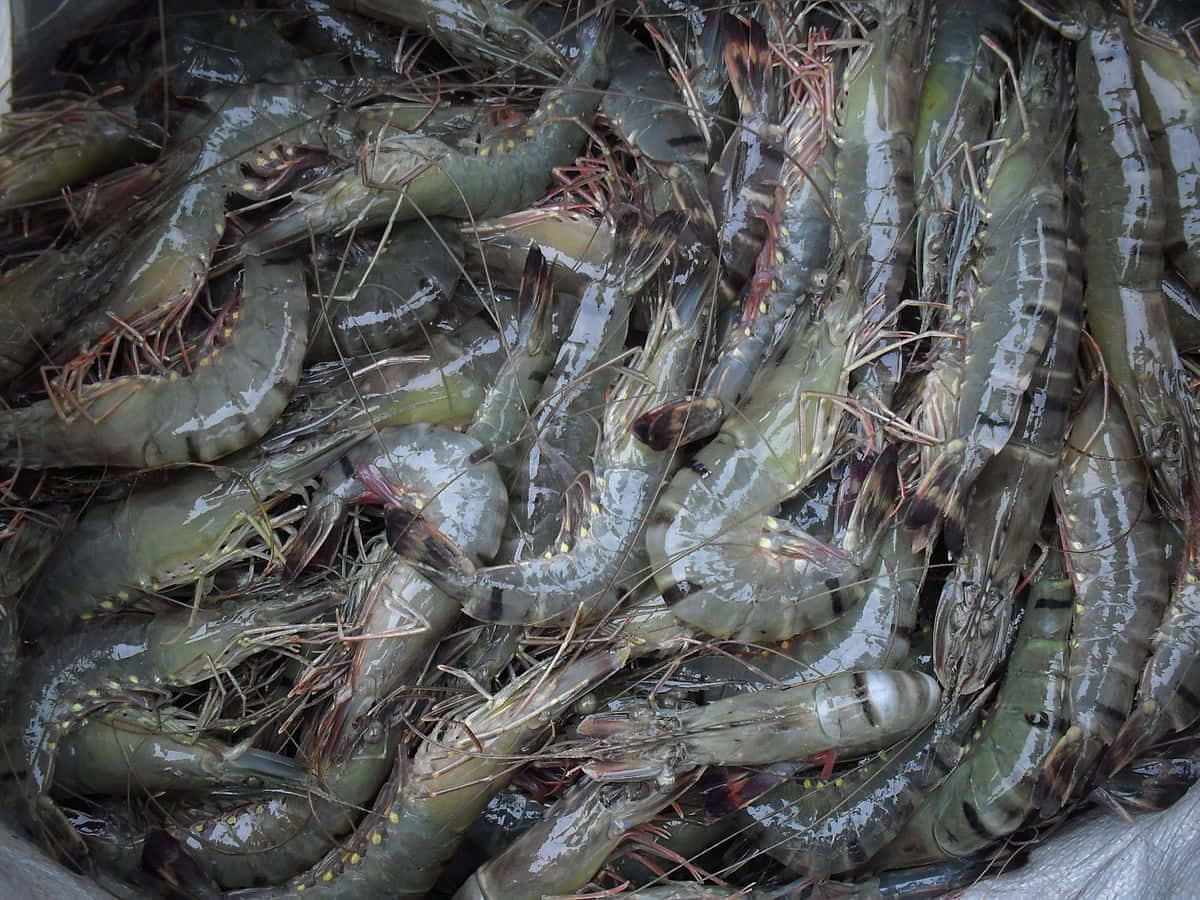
{"x": 990, "y": 793}
{"x": 566, "y": 429}
{"x": 1168, "y": 86}
{"x": 1005, "y": 510}
{"x": 827, "y": 828}
{"x": 850, "y": 714}
{"x": 63, "y": 143}
{"x": 561, "y": 853}
{"x": 788, "y": 269}
{"x": 428, "y": 470}
{"x": 269, "y": 839}
{"x": 390, "y": 296}
{"x": 962, "y": 79}
{"x": 167, "y": 535}
{"x": 229, "y": 401}
{"x": 410, "y": 175}
{"x": 507, "y": 406}
{"x": 721, "y": 558}
{"x": 1168, "y": 696}
{"x": 873, "y": 182}
{"x": 1123, "y": 220}
{"x": 421, "y": 814}
{"x": 133, "y": 662}
{"x": 1019, "y": 268}
{"x": 599, "y": 555}
{"x": 161, "y": 750}
{"x": 1120, "y": 575}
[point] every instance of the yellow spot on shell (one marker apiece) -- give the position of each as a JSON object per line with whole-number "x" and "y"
{"x": 133, "y": 679}
{"x": 328, "y": 876}
{"x": 394, "y": 818}
{"x": 355, "y": 859}
{"x": 76, "y": 707}
{"x": 232, "y": 820}
{"x": 483, "y": 151}
{"x": 595, "y": 509}
{"x": 564, "y": 548}
{"x": 106, "y": 604}
{"x": 376, "y": 838}
{"x": 122, "y": 595}
{"x": 301, "y": 887}
{"x": 198, "y": 828}
{"x": 583, "y": 532}
{"x": 772, "y": 523}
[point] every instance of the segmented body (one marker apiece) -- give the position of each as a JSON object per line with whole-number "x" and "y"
{"x": 126, "y": 748}
{"x": 420, "y": 815}
{"x": 135, "y": 662}
{"x": 507, "y": 406}
{"x": 1005, "y": 511}
{"x": 1123, "y": 220}
{"x": 990, "y": 793}
{"x": 720, "y": 558}
{"x": 561, "y": 853}
{"x": 269, "y": 839}
{"x": 962, "y": 79}
{"x": 410, "y": 173}
{"x": 459, "y": 493}
{"x": 601, "y": 555}
{"x": 566, "y": 428}
{"x": 1168, "y": 697}
{"x": 789, "y": 266}
{"x": 440, "y": 474}
{"x": 388, "y": 297}
{"x": 873, "y": 182}
{"x": 1168, "y": 86}
{"x": 63, "y": 144}
{"x": 823, "y": 829}
{"x": 230, "y": 399}
{"x": 1116, "y": 562}
{"x": 1019, "y": 269}
{"x": 852, "y": 713}
{"x": 173, "y": 534}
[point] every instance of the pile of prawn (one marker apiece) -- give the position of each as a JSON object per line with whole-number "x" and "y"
{"x": 621, "y": 449}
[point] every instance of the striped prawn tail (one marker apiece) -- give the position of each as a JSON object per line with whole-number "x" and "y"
{"x": 938, "y": 500}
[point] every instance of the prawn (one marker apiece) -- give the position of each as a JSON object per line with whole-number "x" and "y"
{"x": 849, "y": 714}
{"x": 1020, "y": 261}
{"x": 230, "y": 399}
{"x": 1120, "y": 575}
{"x": 410, "y": 175}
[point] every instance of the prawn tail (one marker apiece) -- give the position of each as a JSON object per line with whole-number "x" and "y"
{"x": 876, "y": 500}
{"x": 1138, "y": 733}
{"x": 938, "y": 498}
{"x": 1060, "y": 773}
{"x": 640, "y": 251}
{"x": 422, "y": 544}
{"x": 727, "y": 789}
{"x": 679, "y": 422}
{"x": 537, "y": 296}
{"x": 321, "y": 527}
{"x": 748, "y": 59}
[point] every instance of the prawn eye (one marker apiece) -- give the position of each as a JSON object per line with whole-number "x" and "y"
{"x": 587, "y": 704}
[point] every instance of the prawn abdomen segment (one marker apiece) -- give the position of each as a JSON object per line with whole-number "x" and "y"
{"x": 724, "y": 563}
